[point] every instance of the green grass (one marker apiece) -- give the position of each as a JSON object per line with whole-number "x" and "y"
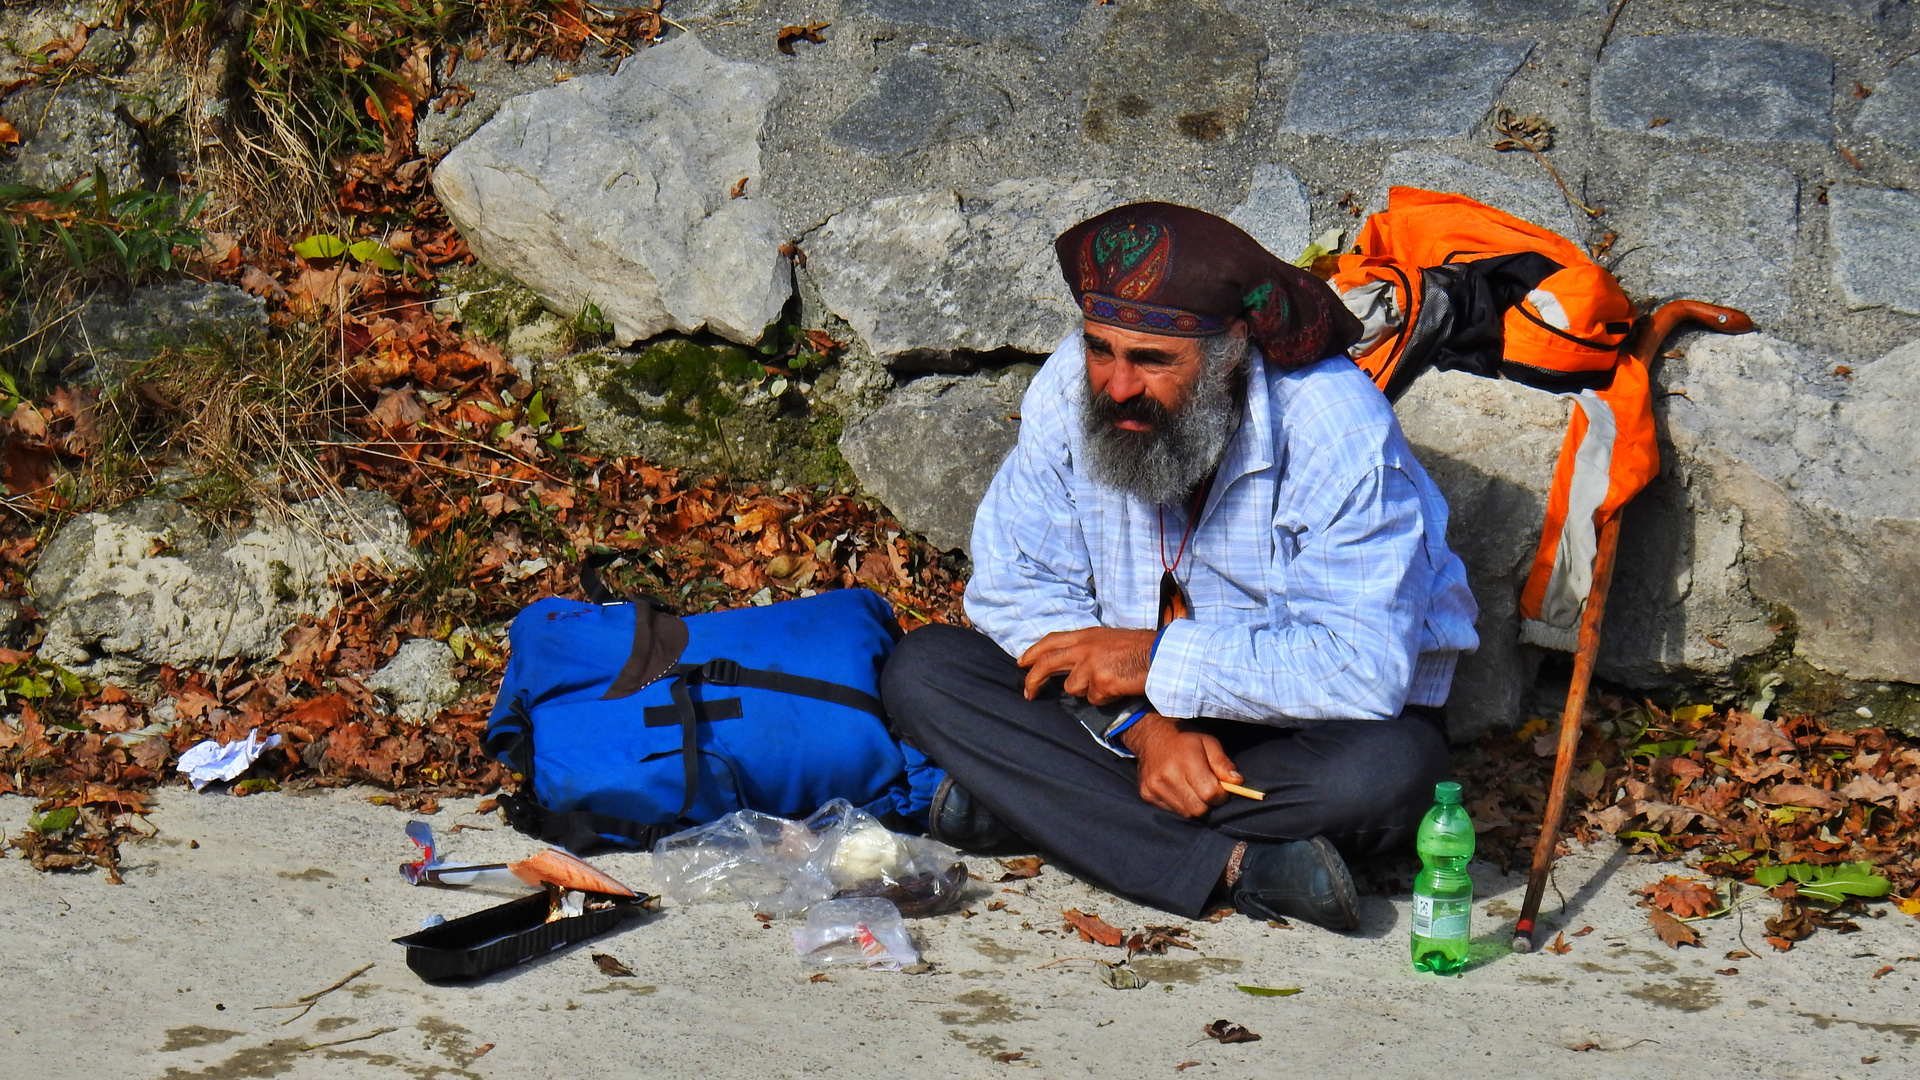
{"x": 56, "y": 243}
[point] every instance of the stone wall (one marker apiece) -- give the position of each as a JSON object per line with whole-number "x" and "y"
{"x": 898, "y": 185}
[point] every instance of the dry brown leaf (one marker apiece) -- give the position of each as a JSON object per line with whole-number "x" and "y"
{"x": 1093, "y": 928}
{"x": 9, "y": 135}
{"x": 789, "y": 34}
{"x": 1867, "y": 789}
{"x": 1671, "y": 930}
{"x": 1226, "y": 1031}
{"x": 1799, "y": 795}
{"x": 1792, "y": 924}
{"x": 610, "y": 966}
{"x": 1024, "y": 867}
{"x": 1559, "y": 946}
{"x": 1883, "y": 972}
{"x": 1684, "y": 897}
{"x": 1756, "y": 736}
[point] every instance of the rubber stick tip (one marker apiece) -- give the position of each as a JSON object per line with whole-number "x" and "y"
{"x": 1522, "y": 943}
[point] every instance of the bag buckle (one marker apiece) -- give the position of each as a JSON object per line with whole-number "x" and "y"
{"x": 720, "y": 672}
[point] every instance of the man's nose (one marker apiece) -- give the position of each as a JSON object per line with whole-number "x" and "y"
{"x": 1125, "y": 382}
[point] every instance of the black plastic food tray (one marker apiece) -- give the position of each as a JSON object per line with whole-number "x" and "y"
{"x": 498, "y": 937}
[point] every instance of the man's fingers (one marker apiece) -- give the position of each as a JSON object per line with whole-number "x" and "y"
{"x": 1219, "y": 762}
{"x": 1045, "y": 667}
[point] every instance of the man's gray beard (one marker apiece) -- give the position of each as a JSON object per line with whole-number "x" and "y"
{"x": 1166, "y": 464}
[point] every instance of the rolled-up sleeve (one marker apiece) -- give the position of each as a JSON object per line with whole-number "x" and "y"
{"x": 1032, "y": 574}
{"x": 1345, "y": 627}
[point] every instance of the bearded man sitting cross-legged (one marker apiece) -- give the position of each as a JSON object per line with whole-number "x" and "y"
{"x": 1211, "y": 558}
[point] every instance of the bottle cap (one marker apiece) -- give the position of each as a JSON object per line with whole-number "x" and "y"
{"x": 1447, "y": 793}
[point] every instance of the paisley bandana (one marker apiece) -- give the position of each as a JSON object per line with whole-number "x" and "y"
{"x": 1164, "y": 269}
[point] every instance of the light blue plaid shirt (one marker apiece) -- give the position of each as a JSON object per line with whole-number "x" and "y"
{"x": 1321, "y": 582}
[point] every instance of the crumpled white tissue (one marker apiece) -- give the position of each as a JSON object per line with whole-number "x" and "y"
{"x": 210, "y": 761}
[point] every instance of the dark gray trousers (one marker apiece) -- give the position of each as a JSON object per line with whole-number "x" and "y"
{"x": 957, "y": 696}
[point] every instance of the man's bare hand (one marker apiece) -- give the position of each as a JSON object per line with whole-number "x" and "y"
{"x": 1180, "y": 770}
{"x": 1101, "y": 664}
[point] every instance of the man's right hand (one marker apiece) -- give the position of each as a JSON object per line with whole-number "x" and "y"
{"x": 1180, "y": 770}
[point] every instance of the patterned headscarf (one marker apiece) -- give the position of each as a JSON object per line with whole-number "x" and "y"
{"x": 1164, "y": 269}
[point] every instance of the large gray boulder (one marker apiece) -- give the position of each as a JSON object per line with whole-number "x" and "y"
{"x": 1490, "y": 446}
{"x": 618, "y": 190}
{"x": 152, "y": 583}
{"x": 925, "y": 279}
{"x": 931, "y": 450}
{"x": 1820, "y": 471}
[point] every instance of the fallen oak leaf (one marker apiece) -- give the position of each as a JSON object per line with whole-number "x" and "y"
{"x": 1793, "y": 923}
{"x": 1685, "y": 897}
{"x": 789, "y": 34}
{"x": 1671, "y": 930}
{"x": 1024, "y": 867}
{"x": 1226, "y": 1031}
{"x": 1093, "y": 928}
{"x": 612, "y": 967}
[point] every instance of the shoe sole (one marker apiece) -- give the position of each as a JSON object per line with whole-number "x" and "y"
{"x": 1344, "y": 892}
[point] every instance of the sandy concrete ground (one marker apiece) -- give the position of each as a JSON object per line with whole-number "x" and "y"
{"x": 165, "y": 977}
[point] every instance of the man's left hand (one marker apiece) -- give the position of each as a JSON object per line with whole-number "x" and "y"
{"x": 1101, "y": 664}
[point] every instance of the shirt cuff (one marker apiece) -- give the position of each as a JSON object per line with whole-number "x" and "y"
{"x": 1175, "y": 671}
{"x": 1112, "y": 735}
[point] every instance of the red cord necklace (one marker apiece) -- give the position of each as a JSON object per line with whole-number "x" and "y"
{"x": 1173, "y": 599}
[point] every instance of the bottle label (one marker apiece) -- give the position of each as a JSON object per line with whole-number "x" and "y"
{"x": 1441, "y": 920}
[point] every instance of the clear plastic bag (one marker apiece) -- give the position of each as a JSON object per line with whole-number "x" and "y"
{"x": 785, "y": 867}
{"x": 864, "y": 932}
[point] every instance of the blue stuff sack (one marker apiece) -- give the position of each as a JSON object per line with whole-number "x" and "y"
{"x": 626, "y": 723}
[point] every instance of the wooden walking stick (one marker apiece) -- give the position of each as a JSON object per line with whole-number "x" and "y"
{"x": 1653, "y": 332}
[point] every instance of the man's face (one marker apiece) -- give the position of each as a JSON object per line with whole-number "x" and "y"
{"x": 1125, "y": 364}
{"x": 1160, "y": 409}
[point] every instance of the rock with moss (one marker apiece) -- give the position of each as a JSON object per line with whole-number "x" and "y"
{"x": 704, "y": 407}
{"x": 153, "y": 583}
{"x": 114, "y": 332}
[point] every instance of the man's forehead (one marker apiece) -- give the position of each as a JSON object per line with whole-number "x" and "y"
{"x": 1136, "y": 342}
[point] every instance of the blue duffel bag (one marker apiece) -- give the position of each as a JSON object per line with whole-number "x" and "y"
{"x": 626, "y": 723}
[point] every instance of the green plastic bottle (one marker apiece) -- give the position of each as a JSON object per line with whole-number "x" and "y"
{"x": 1442, "y": 891}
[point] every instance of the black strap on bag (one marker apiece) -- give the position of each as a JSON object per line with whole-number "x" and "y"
{"x": 724, "y": 672}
